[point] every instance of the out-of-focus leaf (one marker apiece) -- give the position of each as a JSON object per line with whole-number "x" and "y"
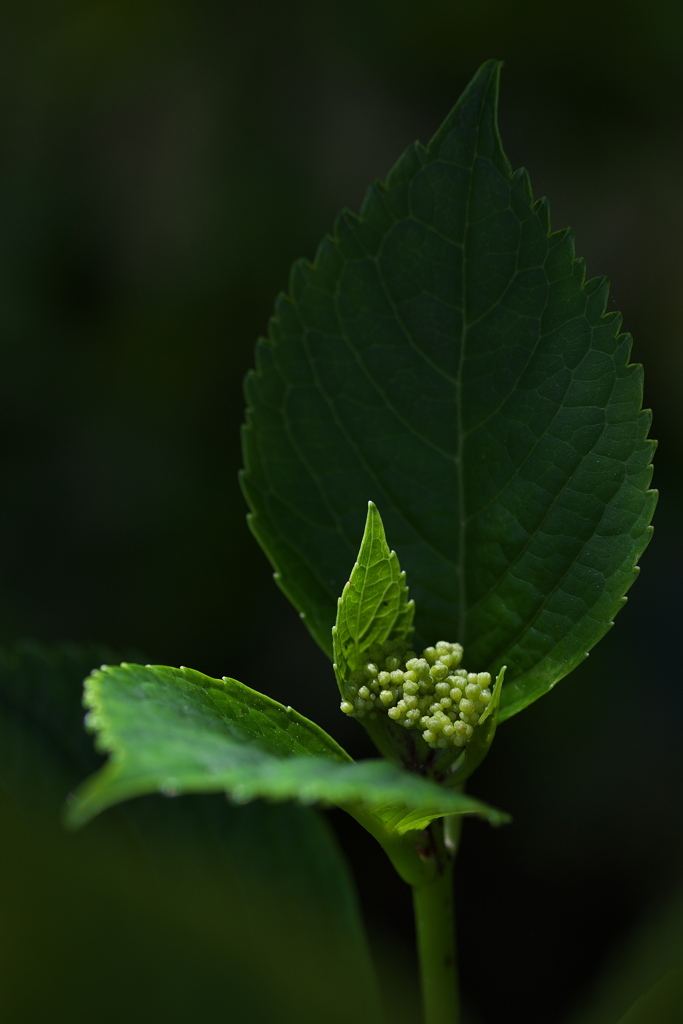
{"x": 642, "y": 982}
{"x": 146, "y": 870}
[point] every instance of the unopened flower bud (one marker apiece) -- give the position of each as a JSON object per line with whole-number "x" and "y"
{"x": 429, "y": 693}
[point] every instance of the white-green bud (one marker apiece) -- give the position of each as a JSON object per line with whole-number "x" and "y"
{"x": 430, "y": 693}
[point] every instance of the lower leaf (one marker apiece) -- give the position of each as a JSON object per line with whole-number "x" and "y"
{"x": 176, "y": 731}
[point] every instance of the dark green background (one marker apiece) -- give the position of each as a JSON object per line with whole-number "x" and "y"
{"x": 161, "y": 166}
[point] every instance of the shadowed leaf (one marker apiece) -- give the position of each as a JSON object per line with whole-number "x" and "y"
{"x": 445, "y": 355}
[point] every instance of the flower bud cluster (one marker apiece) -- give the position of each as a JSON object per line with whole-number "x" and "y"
{"x": 431, "y": 694}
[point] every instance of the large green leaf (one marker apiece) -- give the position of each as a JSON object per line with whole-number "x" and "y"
{"x": 445, "y": 356}
{"x": 177, "y": 731}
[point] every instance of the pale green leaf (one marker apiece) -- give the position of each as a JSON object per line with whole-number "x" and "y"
{"x": 374, "y": 605}
{"x": 177, "y": 731}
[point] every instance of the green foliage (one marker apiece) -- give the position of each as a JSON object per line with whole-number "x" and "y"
{"x": 176, "y": 731}
{"x": 444, "y": 355}
{"x": 384, "y": 683}
{"x": 374, "y": 605}
{"x": 137, "y": 870}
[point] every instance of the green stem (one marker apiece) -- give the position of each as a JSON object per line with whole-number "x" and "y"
{"x": 405, "y": 852}
{"x": 435, "y": 928}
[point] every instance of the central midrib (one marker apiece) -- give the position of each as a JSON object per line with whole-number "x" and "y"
{"x": 461, "y": 612}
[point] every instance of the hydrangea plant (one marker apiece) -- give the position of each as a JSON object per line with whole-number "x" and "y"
{"x": 444, "y": 356}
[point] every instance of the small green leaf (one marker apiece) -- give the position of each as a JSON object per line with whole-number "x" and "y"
{"x": 177, "y": 731}
{"x": 411, "y": 706}
{"x": 374, "y": 605}
{"x": 445, "y": 354}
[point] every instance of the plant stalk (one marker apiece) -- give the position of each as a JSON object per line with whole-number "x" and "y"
{"x": 435, "y": 931}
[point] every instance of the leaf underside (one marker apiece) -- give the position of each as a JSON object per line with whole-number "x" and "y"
{"x": 177, "y": 731}
{"x": 445, "y": 356}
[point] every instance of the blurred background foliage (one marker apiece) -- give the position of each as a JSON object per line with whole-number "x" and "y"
{"x": 161, "y": 166}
